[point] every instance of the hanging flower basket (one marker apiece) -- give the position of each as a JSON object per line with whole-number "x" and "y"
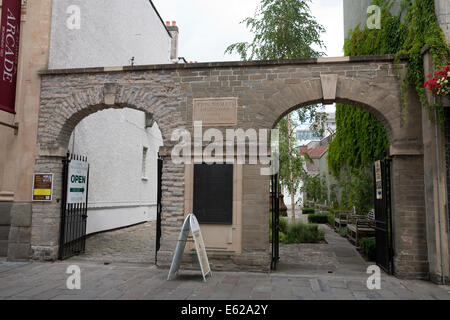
{"x": 439, "y": 85}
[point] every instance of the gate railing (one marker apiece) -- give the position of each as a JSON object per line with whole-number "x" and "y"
{"x": 383, "y": 217}
{"x": 73, "y": 216}
{"x": 275, "y": 198}
{"x": 159, "y": 209}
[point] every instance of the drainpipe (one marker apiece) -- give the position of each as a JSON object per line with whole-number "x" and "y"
{"x": 439, "y": 192}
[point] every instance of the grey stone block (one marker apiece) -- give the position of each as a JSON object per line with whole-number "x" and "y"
{"x": 4, "y": 232}
{"x": 5, "y": 213}
{"x": 19, "y": 252}
{"x": 21, "y": 214}
{"x": 20, "y": 235}
{"x": 3, "y": 248}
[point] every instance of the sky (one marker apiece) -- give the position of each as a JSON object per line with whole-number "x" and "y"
{"x": 208, "y": 27}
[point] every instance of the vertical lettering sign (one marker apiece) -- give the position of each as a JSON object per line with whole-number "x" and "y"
{"x": 77, "y": 184}
{"x": 9, "y": 53}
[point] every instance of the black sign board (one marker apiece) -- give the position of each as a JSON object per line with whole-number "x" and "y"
{"x": 213, "y": 193}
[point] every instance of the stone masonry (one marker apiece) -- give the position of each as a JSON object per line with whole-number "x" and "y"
{"x": 266, "y": 91}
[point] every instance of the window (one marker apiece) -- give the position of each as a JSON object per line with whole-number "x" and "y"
{"x": 213, "y": 193}
{"x": 144, "y": 163}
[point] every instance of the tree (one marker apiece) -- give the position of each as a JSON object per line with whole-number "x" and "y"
{"x": 284, "y": 29}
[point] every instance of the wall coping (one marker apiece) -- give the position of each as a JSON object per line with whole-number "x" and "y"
{"x": 206, "y": 65}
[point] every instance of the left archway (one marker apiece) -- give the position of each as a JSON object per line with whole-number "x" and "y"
{"x": 57, "y": 120}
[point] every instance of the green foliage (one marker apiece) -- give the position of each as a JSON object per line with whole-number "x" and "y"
{"x": 343, "y": 232}
{"x": 315, "y": 188}
{"x": 357, "y": 189}
{"x": 281, "y": 236}
{"x": 423, "y": 29}
{"x": 283, "y": 29}
{"x": 304, "y": 233}
{"x": 308, "y": 211}
{"x": 360, "y": 138}
{"x": 289, "y": 156}
{"x": 283, "y": 225}
{"x": 321, "y": 218}
{"x": 368, "y": 248}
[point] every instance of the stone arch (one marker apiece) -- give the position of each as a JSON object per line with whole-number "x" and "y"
{"x": 59, "y": 117}
{"x": 61, "y": 111}
{"x": 372, "y": 98}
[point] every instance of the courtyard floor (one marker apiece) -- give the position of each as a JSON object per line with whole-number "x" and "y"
{"x": 333, "y": 271}
{"x": 135, "y": 244}
{"x": 47, "y": 281}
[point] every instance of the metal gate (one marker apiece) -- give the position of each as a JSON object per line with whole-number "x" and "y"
{"x": 275, "y": 208}
{"x": 73, "y": 215}
{"x": 159, "y": 209}
{"x": 383, "y": 214}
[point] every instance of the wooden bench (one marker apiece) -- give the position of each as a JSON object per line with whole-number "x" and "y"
{"x": 321, "y": 208}
{"x": 341, "y": 219}
{"x": 360, "y": 227}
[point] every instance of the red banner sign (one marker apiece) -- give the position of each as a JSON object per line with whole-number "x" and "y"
{"x": 9, "y": 53}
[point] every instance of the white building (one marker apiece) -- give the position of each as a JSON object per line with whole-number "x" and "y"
{"x": 122, "y": 148}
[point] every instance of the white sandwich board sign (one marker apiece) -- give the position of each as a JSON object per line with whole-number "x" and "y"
{"x": 190, "y": 225}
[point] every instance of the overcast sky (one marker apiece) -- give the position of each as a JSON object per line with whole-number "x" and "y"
{"x": 207, "y": 27}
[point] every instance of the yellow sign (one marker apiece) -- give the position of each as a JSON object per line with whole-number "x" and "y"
{"x": 43, "y": 187}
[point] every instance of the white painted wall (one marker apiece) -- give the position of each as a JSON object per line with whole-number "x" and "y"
{"x": 119, "y": 194}
{"x": 111, "y": 33}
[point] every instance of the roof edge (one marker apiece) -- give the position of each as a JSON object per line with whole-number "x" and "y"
{"x": 228, "y": 64}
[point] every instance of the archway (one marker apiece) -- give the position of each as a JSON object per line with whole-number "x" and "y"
{"x": 263, "y": 91}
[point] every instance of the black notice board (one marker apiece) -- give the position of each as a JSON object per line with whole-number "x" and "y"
{"x": 213, "y": 193}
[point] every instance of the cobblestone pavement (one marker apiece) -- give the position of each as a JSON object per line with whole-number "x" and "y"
{"x": 45, "y": 281}
{"x": 338, "y": 256}
{"x": 135, "y": 244}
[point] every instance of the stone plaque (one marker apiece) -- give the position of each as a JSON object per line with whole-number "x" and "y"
{"x": 216, "y": 111}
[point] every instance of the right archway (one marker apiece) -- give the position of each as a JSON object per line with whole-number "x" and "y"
{"x": 406, "y": 150}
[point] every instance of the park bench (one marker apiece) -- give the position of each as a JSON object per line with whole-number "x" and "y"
{"x": 359, "y": 227}
{"x": 341, "y": 218}
{"x": 321, "y": 208}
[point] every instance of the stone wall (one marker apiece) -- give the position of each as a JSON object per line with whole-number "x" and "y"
{"x": 443, "y": 16}
{"x": 5, "y": 223}
{"x": 266, "y": 91}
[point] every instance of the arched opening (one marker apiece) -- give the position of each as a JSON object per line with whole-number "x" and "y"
{"x": 329, "y": 187}
{"x": 121, "y": 146}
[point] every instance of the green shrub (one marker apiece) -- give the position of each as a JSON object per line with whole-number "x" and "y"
{"x": 281, "y": 236}
{"x": 368, "y": 247}
{"x": 283, "y": 224}
{"x": 282, "y": 231}
{"x": 308, "y": 211}
{"x": 304, "y": 233}
{"x": 321, "y": 218}
{"x": 343, "y": 232}
{"x": 331, "y": 219}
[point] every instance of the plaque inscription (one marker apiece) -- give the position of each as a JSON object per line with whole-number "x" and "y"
{"x": 216, "y": 112}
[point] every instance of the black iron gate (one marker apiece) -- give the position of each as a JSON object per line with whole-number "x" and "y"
{"x": 275, "y": 208}
{"x": 73, "y": 216}
{"x": 383, "y": 214}
{"x": 159, "y": 209}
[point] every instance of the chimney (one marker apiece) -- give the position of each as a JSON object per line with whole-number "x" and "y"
{"x": 174, "y": 31}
